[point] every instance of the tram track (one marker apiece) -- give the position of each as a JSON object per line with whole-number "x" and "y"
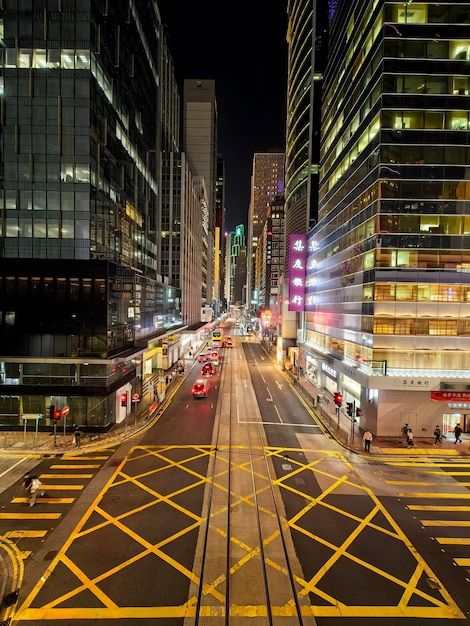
{"x": 245, "y": 553}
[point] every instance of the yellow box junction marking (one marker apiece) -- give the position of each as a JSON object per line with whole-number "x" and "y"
{"x": 331, "y": 468}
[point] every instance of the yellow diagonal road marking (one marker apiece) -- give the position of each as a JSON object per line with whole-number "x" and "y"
{"x": 439, "y": 605}
{"x": 463, "y": 562}
{"x": 454, "y": 541}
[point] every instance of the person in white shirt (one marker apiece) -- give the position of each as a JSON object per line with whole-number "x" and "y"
{"x": 367, "y": 438}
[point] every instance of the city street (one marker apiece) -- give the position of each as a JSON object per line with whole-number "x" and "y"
{"x": 241, "y": 505}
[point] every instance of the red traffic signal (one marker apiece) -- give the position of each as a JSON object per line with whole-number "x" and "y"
{"x": 338, "y": 398}
{"x": 358, "y": 412}
{"x": 124, "y": 399}
{"x": 57, "y": 414}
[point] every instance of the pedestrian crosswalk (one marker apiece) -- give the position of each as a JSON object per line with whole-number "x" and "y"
{"x": 63, "y": 480}
{"x": 440, "y": 501}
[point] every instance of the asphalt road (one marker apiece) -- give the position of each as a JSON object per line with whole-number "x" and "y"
{"x": 240, "y": 502}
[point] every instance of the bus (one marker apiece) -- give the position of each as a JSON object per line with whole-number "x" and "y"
{"x": 217, "y": 338}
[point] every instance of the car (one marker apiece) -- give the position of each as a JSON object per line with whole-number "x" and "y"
{"x": 201, "y": 388}
{"x": 229, "y": 343}
{"x": 202, "y": 358}
{"x": 208, "y": 369}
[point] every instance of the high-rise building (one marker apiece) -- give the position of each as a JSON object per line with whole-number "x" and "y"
{"x": 88, "y": 103}
{"x": 236, "y": 265}
{"x": 388, "y": 267}
{"x": 307, "y": 38}
{"x": 200, "y": 143}
{"x": 267, "y": 182}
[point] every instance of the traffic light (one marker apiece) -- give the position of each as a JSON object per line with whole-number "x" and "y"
{"x": 358, "y": 412}
{"x": 338, "y": 399}
{"x": 51, "y": 411}
{"x": 349, "y": 408}
{"x": 57, "y": 414}
{"x": 124, "y": 399}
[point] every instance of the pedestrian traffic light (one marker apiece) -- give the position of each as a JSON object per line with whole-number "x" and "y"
{"x": 338, "y": 399}
{"x": 349, "y": 408}
{"x": 51, "y": 411}
{"x": 358, "y": 412}
{"x": 57, "y": 414}
{"x": 124, "y": 399}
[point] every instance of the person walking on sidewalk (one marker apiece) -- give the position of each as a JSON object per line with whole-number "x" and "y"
{"x": 404, "y": 434}
{"x": 410, "y": 438}
{"x": 457, "y": 433}
{"x": 437, "y": 434}
{"x": 77, "y": 436}
{"x": 367, "y": 438}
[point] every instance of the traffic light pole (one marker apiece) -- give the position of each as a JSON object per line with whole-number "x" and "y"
{"x": 55, "y": 433}
{"x": 353, "y": 421}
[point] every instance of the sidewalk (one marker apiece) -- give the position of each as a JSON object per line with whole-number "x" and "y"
{"x": 349, "y": 435}
{"x": 339, "y": 426}
{"x": 30, "y": 443}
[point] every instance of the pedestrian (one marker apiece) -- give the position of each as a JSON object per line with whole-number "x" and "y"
{"x": 457, "y": 433}
{"x": 367, "y": 438}
{"x": 77, "y": 436}
{"x": 27, "y": 482}
{"x": 409, "y": 439}
{"x": 35, "y": 490}
{"x": 437, "y": 434}
{"x": 404, "y": 434}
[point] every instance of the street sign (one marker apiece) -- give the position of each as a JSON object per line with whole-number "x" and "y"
{"x": 65, "y": 411}
{"x": 135, "y": 397}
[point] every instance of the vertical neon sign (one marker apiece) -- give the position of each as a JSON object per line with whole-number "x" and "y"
{"x": 298, "y": 258}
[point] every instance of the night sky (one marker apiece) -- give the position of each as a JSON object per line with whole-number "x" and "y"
{"x": 242, "y": 46}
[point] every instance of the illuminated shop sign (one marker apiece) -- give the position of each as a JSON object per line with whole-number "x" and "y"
{"x": 449, "y": 396}
{"x": 298, "y": 257}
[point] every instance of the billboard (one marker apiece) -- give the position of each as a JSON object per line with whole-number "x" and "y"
{"x": 297, "y": 257}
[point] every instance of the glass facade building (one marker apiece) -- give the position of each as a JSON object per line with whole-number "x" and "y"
{"x": 88, "y": 103}
{"x": 388, "y": 295}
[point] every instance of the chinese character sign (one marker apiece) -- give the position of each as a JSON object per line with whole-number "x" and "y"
{"x": 298, "y": 257}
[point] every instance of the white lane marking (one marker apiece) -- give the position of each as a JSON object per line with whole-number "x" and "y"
{"x": 280, "y": 418}
{"x": 279, "y": 385}
{"x": 13, "y": 466}
{"x": 270, "y": 399}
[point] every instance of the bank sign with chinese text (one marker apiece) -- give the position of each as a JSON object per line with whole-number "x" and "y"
{"x": 297, "y": 258}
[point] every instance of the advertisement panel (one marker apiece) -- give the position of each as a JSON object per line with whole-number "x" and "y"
{"x": 297, "y": 256}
